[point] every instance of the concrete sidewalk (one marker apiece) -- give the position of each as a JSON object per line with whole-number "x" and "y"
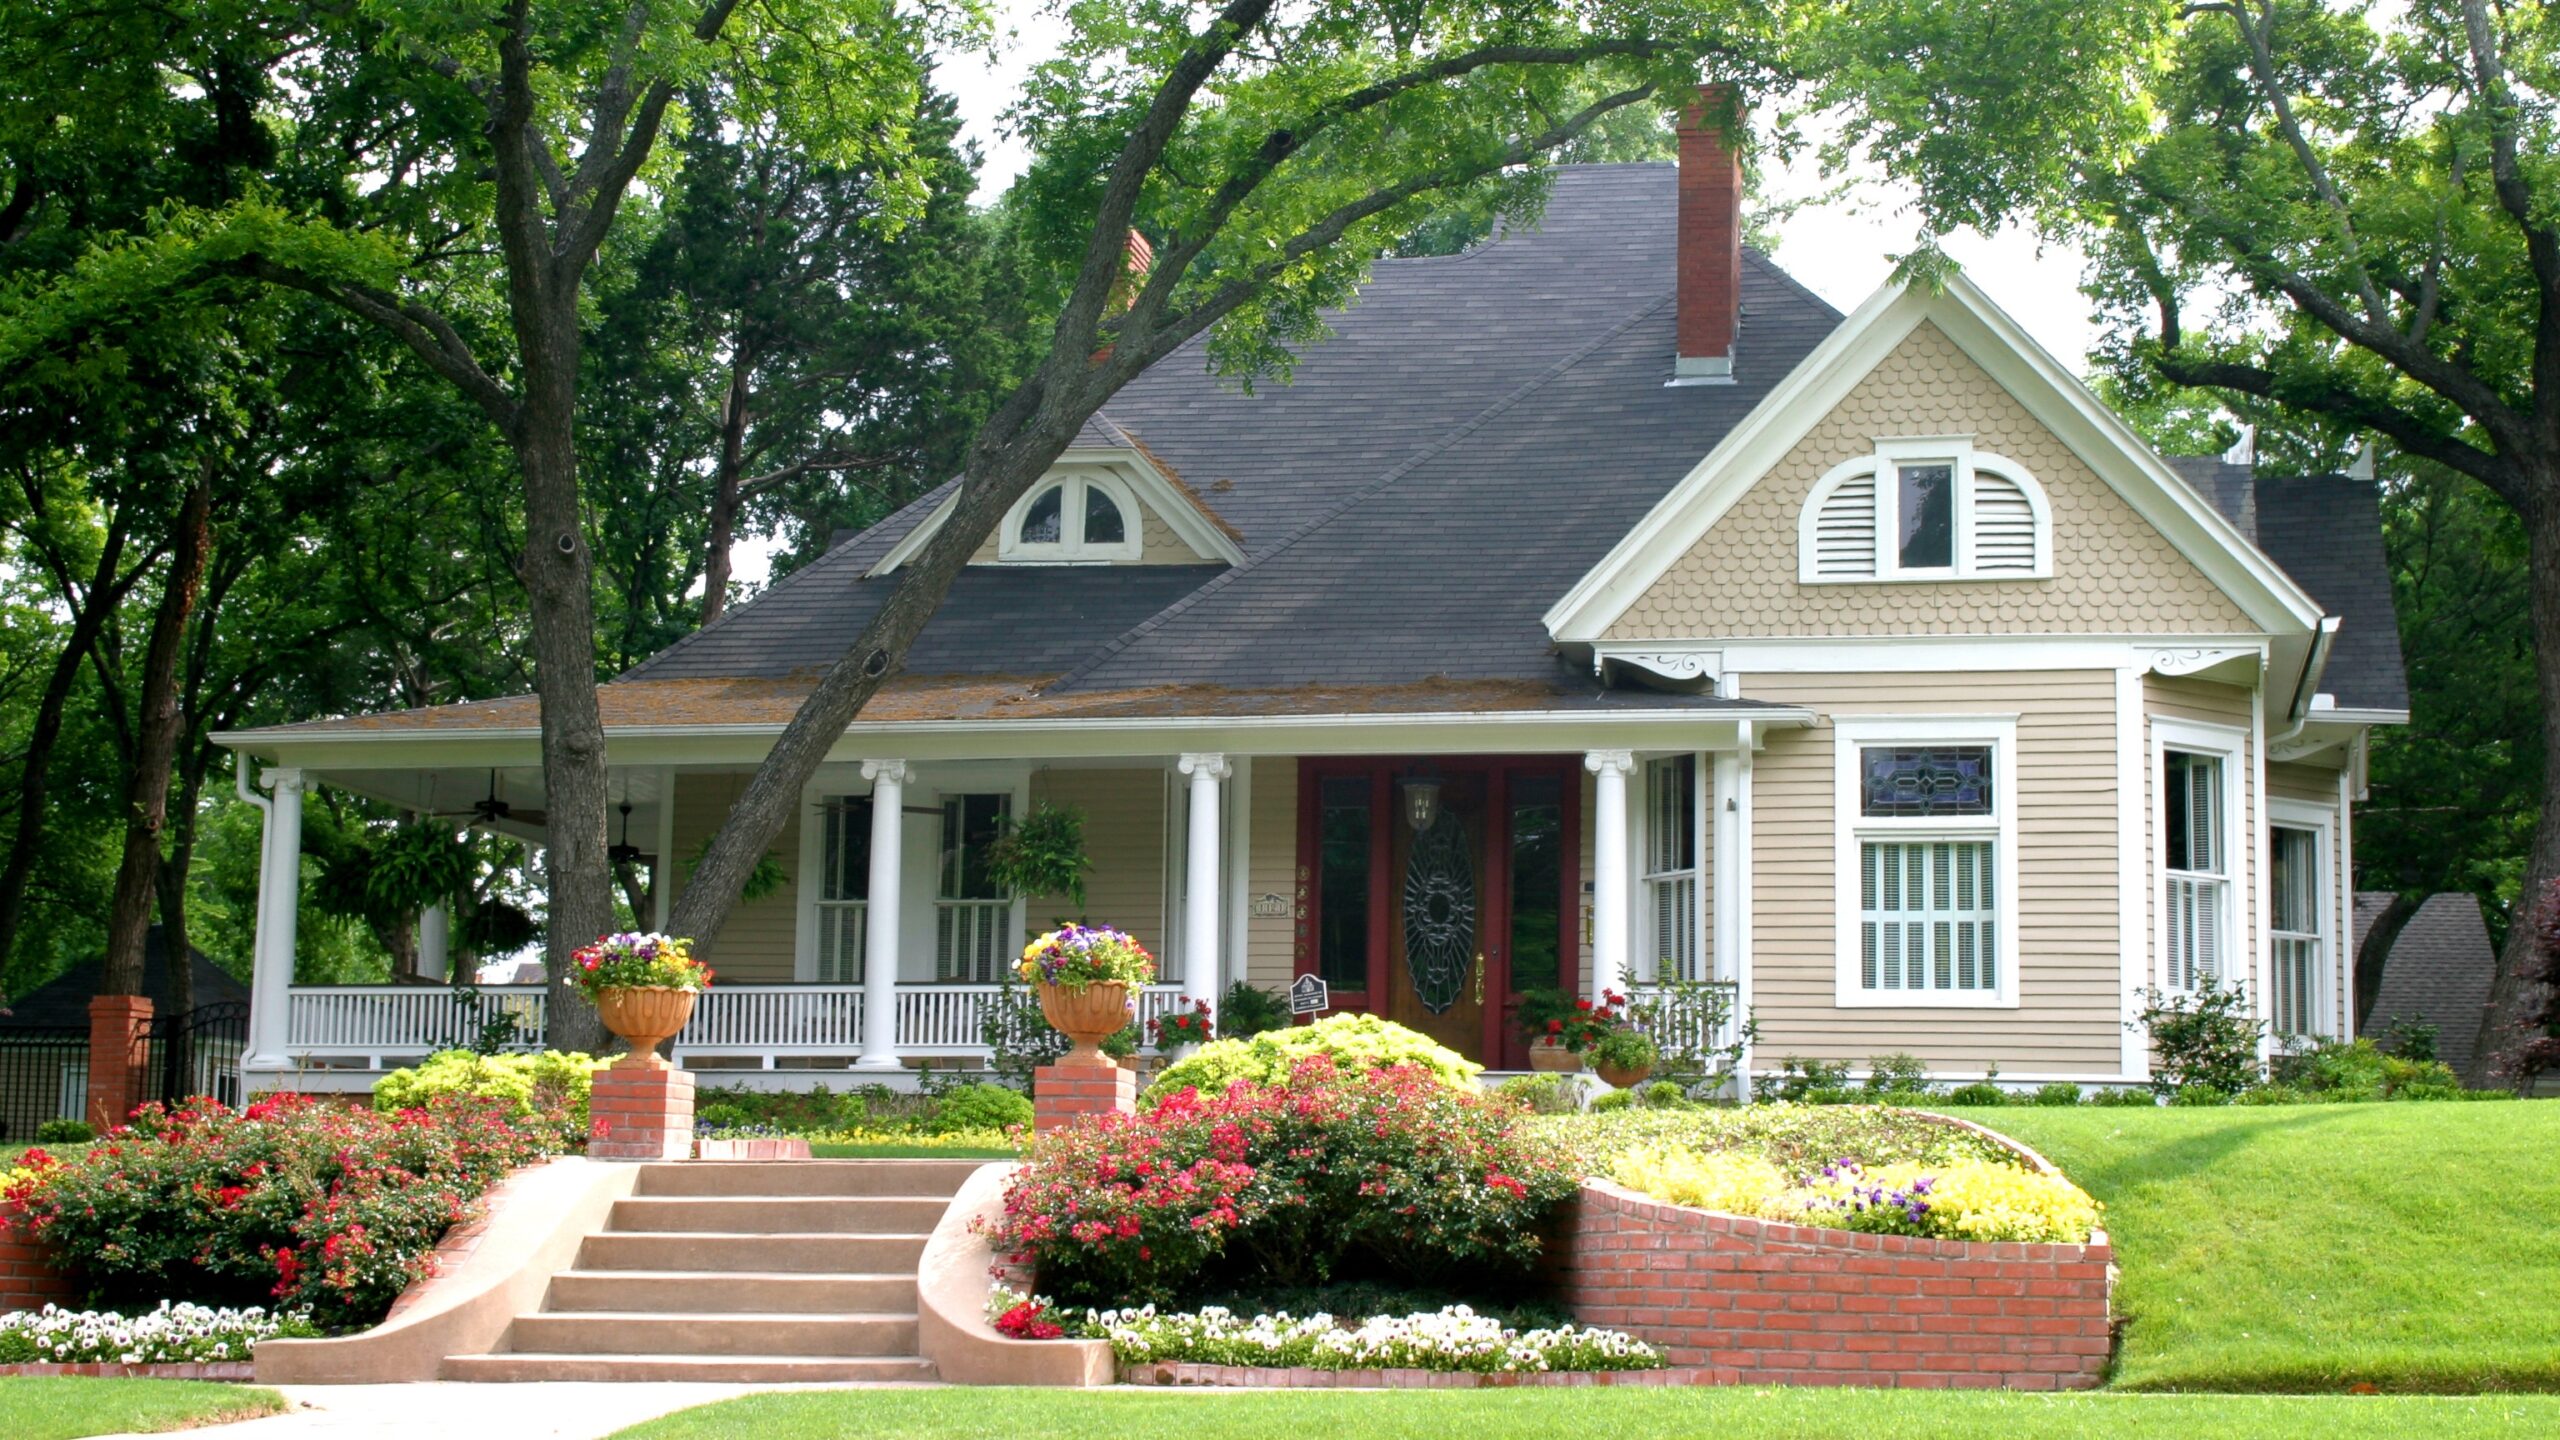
{"x": 451, "y": 1411}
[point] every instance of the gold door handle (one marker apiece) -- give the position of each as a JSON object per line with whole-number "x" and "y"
{"x": 1479, "y": 977}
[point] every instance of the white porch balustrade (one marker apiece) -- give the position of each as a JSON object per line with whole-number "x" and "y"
{"x": 379, "y": 1027}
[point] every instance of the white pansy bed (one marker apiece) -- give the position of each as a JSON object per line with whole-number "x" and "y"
{"x": 173, "y": 1334}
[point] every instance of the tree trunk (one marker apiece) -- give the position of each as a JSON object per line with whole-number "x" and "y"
{"x": 723, "y": 536}
{"x": 558, "y": 583}
{"x": 155, "y": 752}
{"x": 2515, "y": 996}
{"x": 87, "y": 620}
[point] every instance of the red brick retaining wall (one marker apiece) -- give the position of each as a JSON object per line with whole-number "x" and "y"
{"x": 28, "y": 1280}
{"x": 1780, "y": 1304}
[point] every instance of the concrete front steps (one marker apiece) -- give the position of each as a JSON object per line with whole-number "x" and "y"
{"x": 759, "y": 1271}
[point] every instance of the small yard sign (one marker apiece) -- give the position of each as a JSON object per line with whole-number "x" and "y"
{"x": 1308, "y": 995}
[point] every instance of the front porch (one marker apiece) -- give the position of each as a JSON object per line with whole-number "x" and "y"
{"x": 1530, "y": 867}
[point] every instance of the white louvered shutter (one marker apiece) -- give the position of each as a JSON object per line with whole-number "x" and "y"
{"x": 1844, "y": 538}
{"x": 2004, "y": 527}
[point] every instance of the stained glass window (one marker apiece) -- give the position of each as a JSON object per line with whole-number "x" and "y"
{"x": 1926, "y": 780}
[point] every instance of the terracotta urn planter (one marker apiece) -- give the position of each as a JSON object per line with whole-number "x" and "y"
{"x": 1087, "y": 1017}
{"x": 1622, "y": 1077}
{"x": 645, "y": 1017}
{"x": 1551, "y": 1056}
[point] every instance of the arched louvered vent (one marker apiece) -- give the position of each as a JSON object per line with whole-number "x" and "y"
{"x": 2004, "y": 526}
{"x": 1844, "y": 534}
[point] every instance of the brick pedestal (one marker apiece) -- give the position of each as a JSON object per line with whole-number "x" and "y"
{"x": 119, "y": 1052}
{"x": 641, "y": 1112}
{"x": 1063, "y": 1092}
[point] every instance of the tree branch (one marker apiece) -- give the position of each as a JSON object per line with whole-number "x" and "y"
{"x": 427, "y": 333}
{"x": 751, "y": 488}
{"x": 2262, "y": 62}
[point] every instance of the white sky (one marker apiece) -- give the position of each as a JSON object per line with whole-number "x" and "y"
{"x": 1838, "y": 249}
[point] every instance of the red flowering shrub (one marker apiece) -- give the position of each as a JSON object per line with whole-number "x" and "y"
{"x": 1029, "y": 1321}
{"x": 291, "y": 1203}
{"x": 1376, "y": 1173}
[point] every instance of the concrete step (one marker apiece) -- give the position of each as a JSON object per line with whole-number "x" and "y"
{"x": 826, "y": 1252}
{"x": 701, "y": 1293}
{"x": 939, "y": 1178}
{"x": 733, "y": 1369}
{"x": 780, "y": 1214}
{"x": 623, "y": 1332}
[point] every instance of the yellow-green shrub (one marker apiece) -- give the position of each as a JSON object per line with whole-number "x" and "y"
{"x": 1959, "y": 1200}
{"x": 551, "y": 1087}
{"x": 1356, "y": 1042}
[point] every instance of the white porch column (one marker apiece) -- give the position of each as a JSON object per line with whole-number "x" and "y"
{"x": 880, "y": 916}
{"x": 1200, "y": 898}
{"x": 435, "y": 943}
{"x": 279, "y": 913}
{"x": 1608, "y": 868}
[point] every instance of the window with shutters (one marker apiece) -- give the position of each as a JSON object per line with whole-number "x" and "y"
{"x": 1921, "y": 509}
{"x": 1927, "y": 854}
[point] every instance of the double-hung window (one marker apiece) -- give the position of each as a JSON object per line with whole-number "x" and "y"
{"x": 1927, "y": 851}
{"x": 2196, "y": 838}
{"x": 844, "y": 890}
{"x": 2296, "y": 915}
{"x": 1671, "y": 866}
{"x": 972, "y": 914}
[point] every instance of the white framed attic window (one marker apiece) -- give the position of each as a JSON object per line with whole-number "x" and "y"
{"x": 1925, "y": 508}
{"x": 1072, "y": 519}
{"x": 1925, "y": 832}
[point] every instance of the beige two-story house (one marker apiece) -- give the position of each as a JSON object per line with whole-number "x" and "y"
{"x": 1593, "y": 608}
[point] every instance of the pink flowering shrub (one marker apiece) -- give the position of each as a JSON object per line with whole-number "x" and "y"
{"x": 1384, "y": 1173}
{"x": 292, "y": 1203}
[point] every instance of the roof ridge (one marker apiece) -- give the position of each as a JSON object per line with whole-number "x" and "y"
{"x": 730, "y": 613}
{"x": 1359, "y": 497}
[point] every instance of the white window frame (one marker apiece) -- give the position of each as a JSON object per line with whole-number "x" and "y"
{"x": 1070, "y": 547}
{"x": 1852, "y": 828}
{"x": 2230, "y": 745}
{"x": 2322, "y": 822}
{"x": 1650, "y": 880}
{"x": 814, "y": 902}
{"x": 1891, "y": 453}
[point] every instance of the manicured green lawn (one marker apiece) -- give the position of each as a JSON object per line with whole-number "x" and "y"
{"x": 826, "y": 1150}
{"x": 1548, "y": 1414}
{"x": 61, "y": 1408}
{"x": 2314, "y": 1248}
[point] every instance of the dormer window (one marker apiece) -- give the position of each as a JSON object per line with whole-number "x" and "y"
{"x": 1925, "y": 508}
{"x": 1073, "y": 519}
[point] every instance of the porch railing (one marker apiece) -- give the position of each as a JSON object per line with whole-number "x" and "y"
{"x": 390, "y": 1025}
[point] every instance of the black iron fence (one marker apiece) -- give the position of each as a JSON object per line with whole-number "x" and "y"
{"x": 198, "y": 1053}
{"x": 44, "y": 1075}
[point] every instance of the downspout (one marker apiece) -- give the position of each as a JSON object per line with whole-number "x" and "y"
{"x": 2315, "y": 665}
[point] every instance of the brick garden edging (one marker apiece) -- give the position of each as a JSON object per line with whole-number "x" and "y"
{"x": 239, "y": 1370}
{"x": 1263, "y": 1377}
{"x": 1776, "y": 1304}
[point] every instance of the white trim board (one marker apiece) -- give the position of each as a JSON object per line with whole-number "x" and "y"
{"x": 2013, "y": 359}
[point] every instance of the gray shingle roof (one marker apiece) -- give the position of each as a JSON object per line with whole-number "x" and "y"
{"x": 2439, "y": 972}
{"x": 1476, "y": 433}
{"x": 2326, "y": 532}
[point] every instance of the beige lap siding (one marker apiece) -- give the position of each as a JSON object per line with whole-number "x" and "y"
{"x": 1124, "y": 837}
{"x": 2070, "y": 995}
{"x": 2207, "y": 702}
{"x": 1271, "y": 868}
{"x": 2316, "y": 784}
{"x": 755, "y": 947}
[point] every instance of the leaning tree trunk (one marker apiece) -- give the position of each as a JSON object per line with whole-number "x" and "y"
{"x": 558, "y": 584}
{"x": 155, "y": 751}
{"x": 2515, "y": 995}
{"x": 720, "y": 544}
{"x": 27, "y": 841}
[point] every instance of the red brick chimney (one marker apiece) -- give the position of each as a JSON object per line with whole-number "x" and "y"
{"x": 1710, "y": 255}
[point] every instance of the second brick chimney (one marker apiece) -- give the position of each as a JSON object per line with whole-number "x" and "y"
{"x": 1710, "y": 246}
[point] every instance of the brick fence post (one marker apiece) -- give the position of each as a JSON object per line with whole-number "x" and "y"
{"x": 119, "y": 1051}
{"x": 1064, "y": 1091}
{"x": 641, "y": 1112}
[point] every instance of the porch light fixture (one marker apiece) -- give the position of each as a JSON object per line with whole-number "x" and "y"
{"x": 1421, "y": 799}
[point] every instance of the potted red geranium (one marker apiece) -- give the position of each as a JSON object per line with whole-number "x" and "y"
{"x": 1562, "y": 1027}
{"x": 643, "y": 986}
{"x": 1178, "y": 1032}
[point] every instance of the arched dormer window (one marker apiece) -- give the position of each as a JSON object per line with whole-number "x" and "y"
{"x": 1072, "y": 519}
{"x": 1925, "y": 508}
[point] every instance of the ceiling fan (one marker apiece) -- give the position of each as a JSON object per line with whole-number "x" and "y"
{"x": 624, "y": 852}
{"x": 492, "y": 809}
